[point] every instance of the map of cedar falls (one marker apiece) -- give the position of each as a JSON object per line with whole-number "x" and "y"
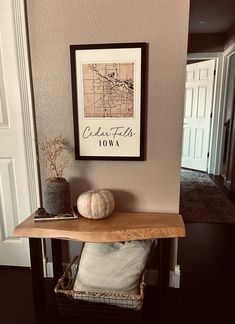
{"x": 108, "y": 89}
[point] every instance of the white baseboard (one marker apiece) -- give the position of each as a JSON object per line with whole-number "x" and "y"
{"x": 175, "y": 277}
{"x": 151, "y": 275}
{"x": 47, "y": 269}
{"x": 50, "y": 273}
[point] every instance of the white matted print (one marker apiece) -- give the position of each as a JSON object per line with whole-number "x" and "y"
{"x": 108, "y": 83}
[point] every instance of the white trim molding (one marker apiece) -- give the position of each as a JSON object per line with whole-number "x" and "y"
{"x": 26, "y": 100}
{"x": 22, "y": 52}
{"x": 151, "y": 275}
{"x": 224, "y": 93}
{"x": 216, "y": 120}
{"x": 203, "y": 56}
{"x": 230, "y": 50}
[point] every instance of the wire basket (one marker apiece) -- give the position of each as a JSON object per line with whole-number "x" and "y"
{"x": 97, "y": 305}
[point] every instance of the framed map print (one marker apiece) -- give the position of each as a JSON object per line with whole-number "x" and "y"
{"x": 108, "y": 92}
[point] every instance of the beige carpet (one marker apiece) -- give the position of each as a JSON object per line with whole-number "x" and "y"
{"x": 202, "y": 201}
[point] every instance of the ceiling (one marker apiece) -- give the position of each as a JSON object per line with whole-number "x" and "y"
{"x": 211, "y": 16}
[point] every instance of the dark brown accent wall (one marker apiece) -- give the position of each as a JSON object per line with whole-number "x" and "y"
{"x": 206, "y": 43}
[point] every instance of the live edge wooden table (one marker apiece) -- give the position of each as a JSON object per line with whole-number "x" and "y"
{"x": 120, "y": 226}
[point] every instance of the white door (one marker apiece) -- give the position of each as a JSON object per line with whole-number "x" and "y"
{"x": 197, "y": 115}
{"x": 18, "y": 188}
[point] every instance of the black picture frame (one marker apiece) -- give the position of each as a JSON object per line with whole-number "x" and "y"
{"x": 109, "y": 99}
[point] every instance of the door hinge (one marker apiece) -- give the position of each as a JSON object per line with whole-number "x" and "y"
{"x": 208, "y": 154}
{"x": 214, "y": 72}
{"x": 211, "y": 115}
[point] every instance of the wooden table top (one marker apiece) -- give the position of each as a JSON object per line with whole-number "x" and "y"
{"x": 120, "y": 226}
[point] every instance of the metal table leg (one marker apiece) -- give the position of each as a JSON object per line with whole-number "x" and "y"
{"x": 37, "y": 275}
{"x": 57, "y": 258}
{"x": 164, "y": 269}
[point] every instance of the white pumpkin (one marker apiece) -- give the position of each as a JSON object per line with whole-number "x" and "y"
{"x": 96, "y": 204}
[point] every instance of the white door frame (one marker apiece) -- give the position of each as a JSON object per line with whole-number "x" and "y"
{"x": 226, "y": 70}
{"x": 215, "y": 144}
{"x": 27, "y": 103}
{"x": 22, "y": 53}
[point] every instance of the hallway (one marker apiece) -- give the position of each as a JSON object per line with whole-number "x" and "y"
{"x": 202, "y": 200}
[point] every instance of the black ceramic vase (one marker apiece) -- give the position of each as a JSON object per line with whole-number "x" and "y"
{"x": 57, "y": 198}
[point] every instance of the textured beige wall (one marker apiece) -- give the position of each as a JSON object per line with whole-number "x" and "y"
{"x": 152, "y": 185}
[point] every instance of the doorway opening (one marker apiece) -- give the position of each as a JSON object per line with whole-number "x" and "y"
{"x": 198, "y": 108}
{"x": 220, "y": 164}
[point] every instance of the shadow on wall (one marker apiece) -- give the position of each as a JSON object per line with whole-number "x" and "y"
{"x": 77, "y": 187}
{"x": 124, "y": 200}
